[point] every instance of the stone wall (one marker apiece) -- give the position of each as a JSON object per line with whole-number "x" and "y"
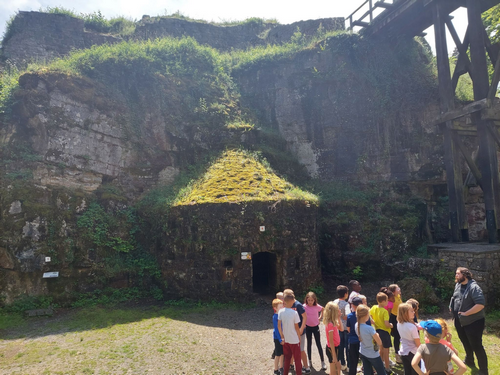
{"x": 233, "y": 36}
{"x": 483, "y": 260}
{"x": 200, "y": 256}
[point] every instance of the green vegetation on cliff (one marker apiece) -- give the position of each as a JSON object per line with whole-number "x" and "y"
{"x": 192, "y": 82}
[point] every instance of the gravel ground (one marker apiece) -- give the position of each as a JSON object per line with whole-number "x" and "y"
{"x": 225, "y": 341}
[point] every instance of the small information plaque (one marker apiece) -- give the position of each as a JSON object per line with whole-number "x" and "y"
{"x": 262, "y": 228}
{"x": 50, "y": 275}
{"x": 246, "y": 256}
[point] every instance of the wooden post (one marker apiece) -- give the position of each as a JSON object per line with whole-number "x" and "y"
{"x": 458, "y": 220}
{"x": 487, "y": 155}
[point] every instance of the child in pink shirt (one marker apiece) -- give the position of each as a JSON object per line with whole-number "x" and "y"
{"x": 331, "y": 320}
{"x": 314, "y": 313}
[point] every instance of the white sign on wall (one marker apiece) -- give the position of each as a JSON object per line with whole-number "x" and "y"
{"x": 47, "y": 259}
{"x": 50, "y": 275}
{"x": 246, "y": 256}
{"x": 262, "y": 228}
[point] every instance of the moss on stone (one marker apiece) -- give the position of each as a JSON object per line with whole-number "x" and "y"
{"x": 238, "y": 176}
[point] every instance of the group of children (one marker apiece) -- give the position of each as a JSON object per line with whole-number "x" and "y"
{"x": 354, "y": 331}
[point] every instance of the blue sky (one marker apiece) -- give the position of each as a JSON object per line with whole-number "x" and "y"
{"x": 285, "y": 11}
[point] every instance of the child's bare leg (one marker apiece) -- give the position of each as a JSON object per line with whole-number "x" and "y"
{"x": 335, "y": 368}
{"x": 304, "y": 358}
{"x": 385, "y": 357}
{"x": 281, "y": 361}
{"x": 276, "y": 362}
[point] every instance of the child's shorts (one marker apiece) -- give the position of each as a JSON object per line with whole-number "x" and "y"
{"x": 385, "y": 337}
{"x": 328, "y": 351}
{"x": 278, "y": 348}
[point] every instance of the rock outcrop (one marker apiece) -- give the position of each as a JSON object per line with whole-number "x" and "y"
{"x": 42, "y": 37}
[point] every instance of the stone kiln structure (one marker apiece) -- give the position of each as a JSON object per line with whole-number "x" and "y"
{"x": 202, "y": 250}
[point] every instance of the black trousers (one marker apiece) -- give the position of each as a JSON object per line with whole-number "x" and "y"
{"x": 353, "y": 358}
{"x": 407, "y": 364}
{"x": 394, "y": 331}
{"x": 471, "y": 337}
{"x": 314, "y": 331}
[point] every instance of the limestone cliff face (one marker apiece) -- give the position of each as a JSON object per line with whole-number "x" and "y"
{"x": 85, "y": 134}
{"x": 42, "y": 37}
{"x": 337, "y": 123}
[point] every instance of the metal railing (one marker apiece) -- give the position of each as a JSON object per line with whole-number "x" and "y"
{"x": 371, "y": 9}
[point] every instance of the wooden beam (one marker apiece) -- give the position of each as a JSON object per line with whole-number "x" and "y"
{"x": 494, "y": 81}
{"x": 462, "y": 47}
{"x": 360, "y": 23}
{"x": 461, "y": 112}
{"x": 458, "y": 219}
{"x": 381, "y": 4}
{"x": 494, "y": 133}
{"x": 472, "y": 165}
{"x": 491, "y": 113}
{"x": 487, "y": 155}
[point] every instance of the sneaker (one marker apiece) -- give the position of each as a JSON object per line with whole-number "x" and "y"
{"x": 292, "y": 367}
{"x": 323, "y": 365}
{"x": 398, "y": 359}
{"x": 277, "y": 372}
{"x": 282, "y": 371}
{"x": 388, "y": 371}
{"x": 306, "y": 370}
{"x": 392, "y": 363}
{"x": 343, "y": 367}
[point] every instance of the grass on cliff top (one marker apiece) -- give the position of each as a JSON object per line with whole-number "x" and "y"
{"x": 242, "y": 59}
{"x": 239, "y": 176}
{"x": 166, "y": 56}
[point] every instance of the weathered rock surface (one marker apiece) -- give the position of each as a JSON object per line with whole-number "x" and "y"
{"x": 37, "y": 36}
{"x": 242, "y": 36}
{"x": 42, "y": 37}
{"x": 333, "y": 125}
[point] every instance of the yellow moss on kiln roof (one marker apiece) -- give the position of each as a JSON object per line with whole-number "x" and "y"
{"x": 238, "y": 176}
